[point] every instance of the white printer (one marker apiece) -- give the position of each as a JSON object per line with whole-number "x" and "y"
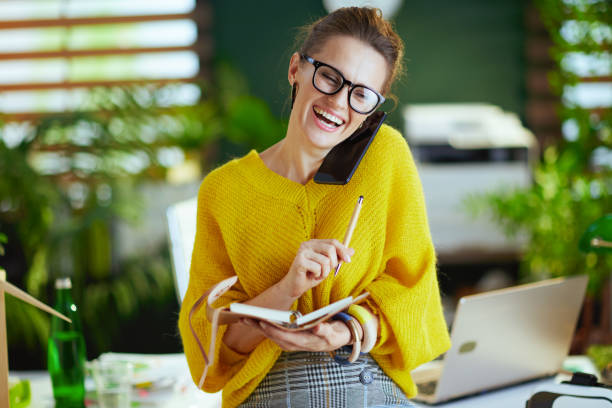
{"x": 461, "y": 149}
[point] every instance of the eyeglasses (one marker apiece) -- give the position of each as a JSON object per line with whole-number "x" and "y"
{"x": 330, "y": 81}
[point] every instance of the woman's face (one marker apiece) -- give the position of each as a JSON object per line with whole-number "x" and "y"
{"x": 326, "y": 120}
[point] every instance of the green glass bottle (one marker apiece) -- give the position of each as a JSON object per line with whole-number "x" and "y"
{"x": 66, "y": 351}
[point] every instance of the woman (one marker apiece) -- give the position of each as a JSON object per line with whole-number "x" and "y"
{"x": 262, "y": 218}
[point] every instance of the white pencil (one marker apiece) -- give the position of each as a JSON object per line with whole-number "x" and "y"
{"x": 350, "y": 229}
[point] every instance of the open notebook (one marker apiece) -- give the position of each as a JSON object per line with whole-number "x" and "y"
{"x": 289, "y": 319}
{"x": 504, "y": 337}
{"x": 283, "y": 319}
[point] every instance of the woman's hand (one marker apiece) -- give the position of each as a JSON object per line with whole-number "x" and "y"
{"x": 323, "y": 337}
{"x": 314, "y": 261}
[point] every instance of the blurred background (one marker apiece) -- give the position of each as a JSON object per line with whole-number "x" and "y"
{"x": 112, "y": 111}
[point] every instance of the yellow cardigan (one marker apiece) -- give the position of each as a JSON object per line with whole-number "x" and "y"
{"x": 251, "y": 222}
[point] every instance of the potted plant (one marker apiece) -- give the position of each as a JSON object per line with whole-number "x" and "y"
{"x": 572, "y": 181}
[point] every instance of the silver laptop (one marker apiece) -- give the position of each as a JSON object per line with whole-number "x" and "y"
{"x": 504, "y": 337}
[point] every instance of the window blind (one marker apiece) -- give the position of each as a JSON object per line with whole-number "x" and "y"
{"x": 52, "y": 53}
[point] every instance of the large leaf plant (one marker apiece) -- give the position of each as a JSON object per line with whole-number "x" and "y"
{"x": 67, "y": 181}
{"x": 572, "y": 182}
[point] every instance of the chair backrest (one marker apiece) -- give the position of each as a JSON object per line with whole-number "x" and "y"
{"x": 181, "y": 233}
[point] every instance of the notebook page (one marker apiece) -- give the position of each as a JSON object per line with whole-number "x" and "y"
{"x": 281, "y": 316}
{"x": 338, "y": 306}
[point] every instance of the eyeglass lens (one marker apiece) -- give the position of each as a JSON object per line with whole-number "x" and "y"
{"x": 329, "y": 81}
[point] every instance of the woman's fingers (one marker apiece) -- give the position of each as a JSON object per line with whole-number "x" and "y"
{"x": 251, "y": 323}
{"x": 328, "y": 249}
{"x": 313, "y": 263}
{"x": 344, "y": 252}
{"x": 321, "y": 330}
{"x": 285, "y": 340}
{"x": 324, "y": 265}
{"x": 327, "y": 253}
{"x": 335, "y": 250}
{"x": 322, "y": 337}
{"x": 294, "y": 341}
{"x": 312, "y": 267}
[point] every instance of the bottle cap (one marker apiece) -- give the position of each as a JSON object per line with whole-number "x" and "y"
{"x": 63, "y": 283}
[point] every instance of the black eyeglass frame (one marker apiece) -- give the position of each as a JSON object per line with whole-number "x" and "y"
{"x": 317, "y": 64}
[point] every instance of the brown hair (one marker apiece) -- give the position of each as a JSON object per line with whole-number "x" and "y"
{"x": 365, "y": 24}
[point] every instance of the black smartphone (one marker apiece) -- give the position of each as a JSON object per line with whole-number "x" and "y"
{"x": 342, "y": 161}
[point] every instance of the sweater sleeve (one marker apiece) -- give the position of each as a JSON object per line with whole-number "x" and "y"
{"x": 210, "y": 264}
{"x": 405, "y": 294}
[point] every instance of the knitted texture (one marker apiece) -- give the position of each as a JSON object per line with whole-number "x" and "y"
{"x": 251, "y": 222}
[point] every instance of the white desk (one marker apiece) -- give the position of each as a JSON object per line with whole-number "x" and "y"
{"x": 181, "y": 392}
{"x": 184, "y": 393}
{"x": 510, "y": 397}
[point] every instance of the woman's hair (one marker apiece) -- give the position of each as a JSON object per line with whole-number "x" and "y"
{"x": 365, "y": 24}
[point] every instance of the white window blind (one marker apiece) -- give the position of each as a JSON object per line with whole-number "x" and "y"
{"x": 52, "y": 53}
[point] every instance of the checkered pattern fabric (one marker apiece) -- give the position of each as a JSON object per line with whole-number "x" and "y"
{"x": 314, "y": 380}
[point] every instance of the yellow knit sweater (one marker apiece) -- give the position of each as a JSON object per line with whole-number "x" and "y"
{"x": 251, "y": 222}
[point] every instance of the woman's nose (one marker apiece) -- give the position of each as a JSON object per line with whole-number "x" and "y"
{"x": 340, "y": 99}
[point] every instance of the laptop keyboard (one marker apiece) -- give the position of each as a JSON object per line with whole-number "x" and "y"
{"x": 427, "y": 388}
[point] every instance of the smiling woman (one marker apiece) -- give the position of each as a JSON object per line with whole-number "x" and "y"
{"x": 262, "y": 217}
{"x": 323, "y": 100}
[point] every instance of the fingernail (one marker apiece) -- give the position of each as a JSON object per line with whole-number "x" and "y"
{"x": 348, "y": 258}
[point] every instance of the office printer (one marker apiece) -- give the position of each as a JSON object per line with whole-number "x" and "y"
{"x": 462, "y": 149}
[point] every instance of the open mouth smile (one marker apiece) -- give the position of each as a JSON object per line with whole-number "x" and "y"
{"x": 327, "y": 119}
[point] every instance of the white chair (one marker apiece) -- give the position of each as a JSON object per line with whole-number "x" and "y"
{"x": 181, "y": 232}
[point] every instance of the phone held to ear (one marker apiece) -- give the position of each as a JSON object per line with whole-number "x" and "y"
{"x": 342, "y": 161}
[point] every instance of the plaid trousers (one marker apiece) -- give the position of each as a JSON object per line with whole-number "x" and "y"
{"x": 313, "y": 380}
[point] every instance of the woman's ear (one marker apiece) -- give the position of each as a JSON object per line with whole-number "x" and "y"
{"x": 294, "y": 64}
{"x": 293, "y": 93}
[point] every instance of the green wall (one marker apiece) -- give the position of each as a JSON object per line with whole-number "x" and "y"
{"x": 456, "y": 51}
